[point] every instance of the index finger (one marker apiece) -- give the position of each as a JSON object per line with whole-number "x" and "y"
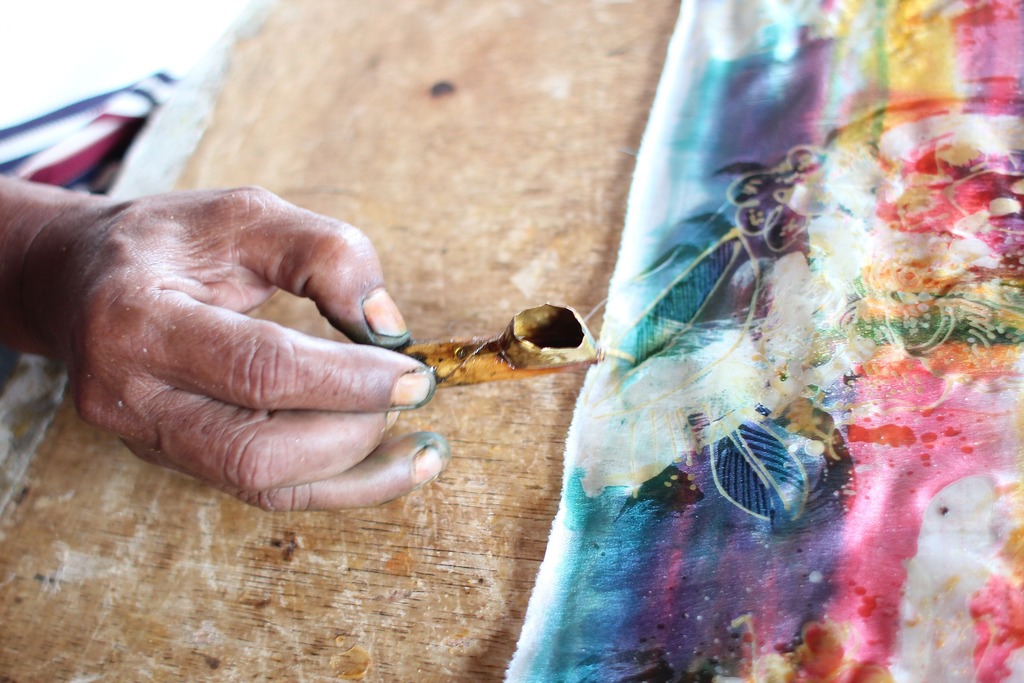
{"x": 323, "y": 259}
{"x": 262, "y": 365}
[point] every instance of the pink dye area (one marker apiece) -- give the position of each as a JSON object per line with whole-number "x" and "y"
{"x": 982, "y": 186}
{"x": 904, "y": 456}
{"x": 996, "y": 73}
{"x": 998, "y": 613}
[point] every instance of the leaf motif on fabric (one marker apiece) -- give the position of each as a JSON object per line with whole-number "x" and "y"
{"x": 673, "y": 312}
{"x": 670, "y": 493}
{"x": 755, "y": 471}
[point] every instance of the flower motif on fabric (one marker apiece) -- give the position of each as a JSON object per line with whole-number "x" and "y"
{"x": 946, "y": 257}
{"x": 774, "y": 203}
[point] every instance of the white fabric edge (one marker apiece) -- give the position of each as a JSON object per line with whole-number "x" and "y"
{"x": 674, "y": 83}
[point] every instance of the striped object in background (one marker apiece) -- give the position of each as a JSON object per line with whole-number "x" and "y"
{"x": 81, "y": 145}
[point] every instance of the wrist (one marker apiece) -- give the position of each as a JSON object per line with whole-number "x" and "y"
{"x": 40, "y": 228}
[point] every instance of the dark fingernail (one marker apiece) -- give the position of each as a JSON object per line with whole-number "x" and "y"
{"x": 382, "y": 315}
{"x": 427, "y": 464}
{"x": 413, "y": 389}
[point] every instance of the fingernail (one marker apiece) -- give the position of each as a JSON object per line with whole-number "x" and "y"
{"x": 382, "y": 315}
{"x": 391, "y": 418}
{"x": 413, "y": 389}
{"x": 427, "y": 464}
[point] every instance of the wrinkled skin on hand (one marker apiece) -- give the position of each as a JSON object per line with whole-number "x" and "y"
{"x": 144, "y": 301}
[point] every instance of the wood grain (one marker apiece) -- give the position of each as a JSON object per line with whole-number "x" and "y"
{"x": 500, "y": 193}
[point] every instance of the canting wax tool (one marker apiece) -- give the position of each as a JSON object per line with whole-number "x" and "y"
{"x": 537, "y": 341}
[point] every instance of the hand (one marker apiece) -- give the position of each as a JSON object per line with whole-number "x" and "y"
{"x": 144, "y": 302}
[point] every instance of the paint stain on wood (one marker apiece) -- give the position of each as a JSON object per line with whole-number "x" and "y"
{"x": 457, "y": 640}
{"x": 351, "y": 664}
{"x": 288, "y": 545}
{"x": 19, "y": 498}
{"x": 442, "y": 89}
{"x": 400, "y": 564}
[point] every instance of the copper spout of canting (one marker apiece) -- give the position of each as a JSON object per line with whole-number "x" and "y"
{"x": 537, "y": 341}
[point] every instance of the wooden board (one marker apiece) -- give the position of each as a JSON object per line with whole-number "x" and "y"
{"x": 504, "y": 193}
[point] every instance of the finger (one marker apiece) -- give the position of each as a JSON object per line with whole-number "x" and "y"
{"x": 262, "y": 365}
{"x": 326, "y": 260}
{"x": 396, "y": 468}
{"x": 259, "y": 450}
{"x": 152, "y": 456}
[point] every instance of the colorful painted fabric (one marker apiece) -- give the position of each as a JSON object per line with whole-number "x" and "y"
{"x": 802, "y": 458}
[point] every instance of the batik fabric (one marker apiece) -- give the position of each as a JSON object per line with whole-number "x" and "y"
{"x": 801, "y": 459}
